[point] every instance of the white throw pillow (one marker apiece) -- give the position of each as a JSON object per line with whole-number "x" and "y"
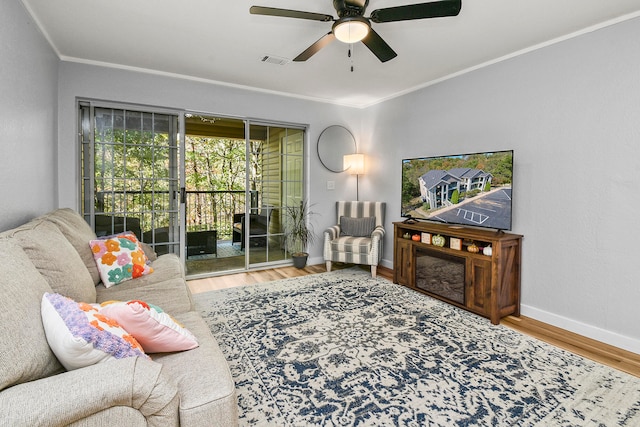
{"x": 79, "y": 335}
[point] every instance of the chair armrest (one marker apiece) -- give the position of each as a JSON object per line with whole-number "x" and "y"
{"x": 62, "y": 399}
{"x": 332, "y": 232}
{"x": 238, "y": 217}
{"x": 377, "y": 233}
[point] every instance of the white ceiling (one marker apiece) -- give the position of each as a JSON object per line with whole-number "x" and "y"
{"x": 220, "y": 41}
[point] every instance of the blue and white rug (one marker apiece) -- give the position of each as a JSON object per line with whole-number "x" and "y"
{"x": 343, "y": 349}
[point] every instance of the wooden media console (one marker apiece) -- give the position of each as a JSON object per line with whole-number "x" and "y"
{"x": 447, "y": 262}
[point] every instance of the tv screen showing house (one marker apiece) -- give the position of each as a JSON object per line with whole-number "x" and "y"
{"x": 465, "y": 189}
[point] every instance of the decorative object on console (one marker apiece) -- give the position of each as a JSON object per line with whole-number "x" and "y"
{"x": 455, "y": 243}
{"x": 416, "y": 237}
{"x": 426, "y": 238}
{"x": 473, "y": 248}
{"x": 438, "y": 240}
{"x": 487, "y": 250}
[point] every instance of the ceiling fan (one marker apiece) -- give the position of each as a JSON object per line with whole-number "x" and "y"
{"x": 352, "y": 26}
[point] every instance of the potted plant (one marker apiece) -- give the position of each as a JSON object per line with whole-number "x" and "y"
{"x": 298, "y": 232}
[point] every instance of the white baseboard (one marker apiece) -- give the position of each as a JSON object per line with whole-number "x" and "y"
{"x": 593, "y": 332}
{"x": 320, "y": 260}
{"x": 315, "y": 260}
{"x": 386, "y": 263}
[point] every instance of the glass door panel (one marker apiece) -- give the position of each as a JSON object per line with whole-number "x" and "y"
{"x": 261, "y": 238}
{"x": 130, "y": 174}
{"x": 280, "y": 154}
{"x": 237, "y": 178}
{"x": 215, "y": 194}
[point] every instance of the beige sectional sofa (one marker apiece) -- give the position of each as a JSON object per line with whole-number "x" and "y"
{"x": 52, "y": 254}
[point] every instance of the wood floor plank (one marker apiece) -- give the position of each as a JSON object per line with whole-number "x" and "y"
{"x": 591, "y": 349}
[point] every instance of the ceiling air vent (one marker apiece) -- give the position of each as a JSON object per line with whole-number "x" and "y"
{"x": 275, "y": 60}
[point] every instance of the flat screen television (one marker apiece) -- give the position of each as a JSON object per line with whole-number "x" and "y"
{"x": 464, "y": 189}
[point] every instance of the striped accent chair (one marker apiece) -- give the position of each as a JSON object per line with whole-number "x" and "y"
{"x": 358, "y": 235}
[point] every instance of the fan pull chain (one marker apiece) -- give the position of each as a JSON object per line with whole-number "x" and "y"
{"x": 350, "y": 56}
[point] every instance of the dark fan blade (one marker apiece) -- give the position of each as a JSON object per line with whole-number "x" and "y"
{"x": 436, "y": 9}
{"x": 272, "y": 11}
{"x": 314, "y": 48}
{"x": 379, "y": 47}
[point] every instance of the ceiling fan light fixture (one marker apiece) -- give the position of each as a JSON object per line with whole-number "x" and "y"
{"x": 351, "y": 29}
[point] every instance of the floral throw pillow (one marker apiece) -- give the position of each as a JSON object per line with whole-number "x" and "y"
{"x": 79, "y": 335}
{"x": 119, "y": 258}
{"x": 152, "y": 327}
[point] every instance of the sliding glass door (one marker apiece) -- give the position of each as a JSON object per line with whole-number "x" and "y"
{"x": 239, "y": 175}
{"x": 211, "y": 189}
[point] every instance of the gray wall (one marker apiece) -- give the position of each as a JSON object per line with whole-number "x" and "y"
{"x": 28, "y": 120}
{"x": 571, "y": 112}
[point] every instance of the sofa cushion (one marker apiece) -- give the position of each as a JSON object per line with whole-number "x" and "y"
{"x": 207, "y": 390}
{"x": 78, "y": 233}
{"x": 80, "y": 335}
{"x": 119, "y": 258}
{"x": 165, "y": 288}
{"x": 154, "y": 329}
{"x": 24, "y": 352}
{"x": 56, "y": 259}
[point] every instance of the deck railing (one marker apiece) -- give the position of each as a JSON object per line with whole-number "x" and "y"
{"x": 205, "y": 210}
{"x": 213, "y": 210}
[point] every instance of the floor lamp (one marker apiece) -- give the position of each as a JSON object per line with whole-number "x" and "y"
{"x": 354, "y": 164}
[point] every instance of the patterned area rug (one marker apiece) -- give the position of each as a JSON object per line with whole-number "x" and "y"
{"x": 343, "y": 349}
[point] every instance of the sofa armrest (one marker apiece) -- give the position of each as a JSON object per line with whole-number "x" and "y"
{"x": 62, "y": 399}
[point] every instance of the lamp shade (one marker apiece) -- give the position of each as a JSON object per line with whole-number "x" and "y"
{"x": 351, "y": 29}
{"x": 354, "y": 163}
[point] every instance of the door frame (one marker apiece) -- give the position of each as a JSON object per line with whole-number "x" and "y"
{"x": 89, "y": 182}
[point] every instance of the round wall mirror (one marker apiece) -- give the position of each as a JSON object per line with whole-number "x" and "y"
{"x": 333, "y": 143}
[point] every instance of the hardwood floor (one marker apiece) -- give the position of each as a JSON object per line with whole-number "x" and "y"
{"x": 591, "y": 349}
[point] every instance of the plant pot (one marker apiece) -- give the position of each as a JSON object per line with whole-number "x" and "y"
{"x": 300, "y": 260}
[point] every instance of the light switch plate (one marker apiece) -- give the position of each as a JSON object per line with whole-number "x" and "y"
{"x": 331, "y": 185}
